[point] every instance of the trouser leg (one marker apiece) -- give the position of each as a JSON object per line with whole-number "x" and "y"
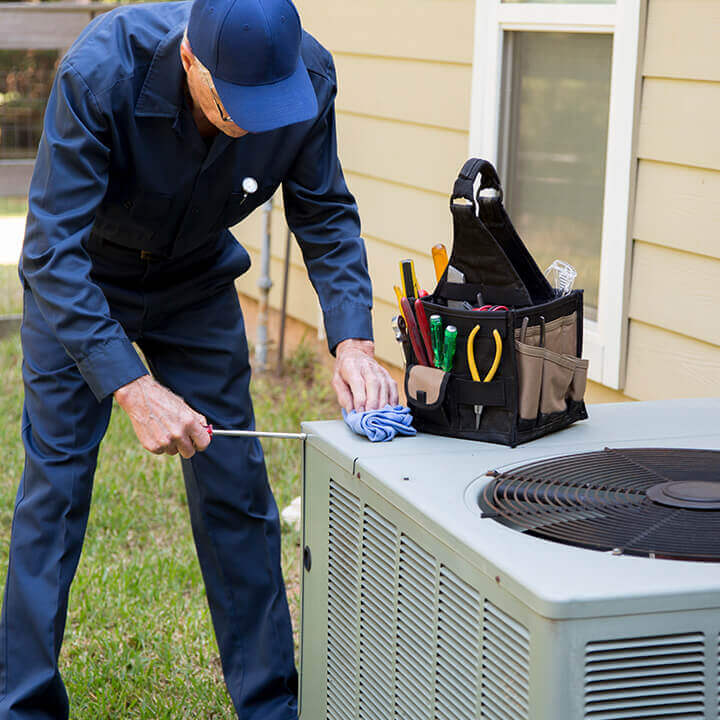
{"x": 202, "y": 355}
{"x": 61, "y": 429}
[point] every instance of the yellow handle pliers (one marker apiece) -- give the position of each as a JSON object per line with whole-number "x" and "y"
{"x": 473, "y": 366}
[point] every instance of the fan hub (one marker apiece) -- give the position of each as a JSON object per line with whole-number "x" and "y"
{"x": 693, "y": 494}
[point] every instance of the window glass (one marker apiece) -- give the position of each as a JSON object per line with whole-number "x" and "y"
{"x": 554, "y": 125}
{"x": 26, "y": 77}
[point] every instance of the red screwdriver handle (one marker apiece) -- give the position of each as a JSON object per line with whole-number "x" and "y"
{"x": 424, "y": 326}
{"x": 415, "y": 339}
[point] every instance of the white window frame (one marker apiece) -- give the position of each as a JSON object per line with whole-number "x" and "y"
{"x": 605, "y": 340}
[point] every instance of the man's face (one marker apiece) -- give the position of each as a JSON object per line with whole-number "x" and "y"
{"x": 204, "y": 94}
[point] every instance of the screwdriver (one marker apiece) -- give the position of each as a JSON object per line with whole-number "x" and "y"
{"x": 424, "y": 328}
{"x": 440, "y": 259}
{"x": 436, "y": 335}
{"x": 409, "y": 281}
{"x": 255, "y": 433}
{"x": 449, "y": 347}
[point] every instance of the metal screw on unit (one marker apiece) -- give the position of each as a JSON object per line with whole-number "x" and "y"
{"x": 307, "y": 558}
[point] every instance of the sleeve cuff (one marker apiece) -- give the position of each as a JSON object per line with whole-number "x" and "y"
{"x": 347, "y": 320}
{"x": 114, "y": 364}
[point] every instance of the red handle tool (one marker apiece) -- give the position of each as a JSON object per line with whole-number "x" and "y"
{"x": 415, "y": 339}
{"x": 424, "y": 326}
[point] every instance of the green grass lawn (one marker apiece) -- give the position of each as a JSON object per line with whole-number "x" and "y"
{"x": 10, "y": 290}
{"x": 139, "y": 643}
{"x": 13, "y": 205}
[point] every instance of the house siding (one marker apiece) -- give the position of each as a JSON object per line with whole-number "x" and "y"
{"x": 674, "y": 336}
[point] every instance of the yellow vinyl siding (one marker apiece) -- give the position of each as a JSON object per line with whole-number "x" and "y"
{"x": 663, "y": 364}
{"x": 677, "y": 291}
{"x": 679, "y": 207}
{"x": 674, "y": 337}
{"x": 682, "y": 40}
{"x": 405, "y": 90}
{"x": 403, "y": 111}
{"x": 440, "y": 30}
{"x": 679, "y": 122}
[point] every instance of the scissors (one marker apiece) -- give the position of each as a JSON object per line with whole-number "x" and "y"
{"x": 473, "y": 366}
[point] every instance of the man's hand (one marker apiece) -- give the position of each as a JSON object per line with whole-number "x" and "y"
{"x": 162, "y": 421}
{"x": 359, "y": 381}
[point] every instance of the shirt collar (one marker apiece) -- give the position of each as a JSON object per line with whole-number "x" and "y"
{"x": 162, "y": 91}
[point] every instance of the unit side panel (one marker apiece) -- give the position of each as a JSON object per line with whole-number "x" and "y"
{"x": 437, "y": 637}
{"x": 313, "y": 636}
{"x": 655, "y": 665}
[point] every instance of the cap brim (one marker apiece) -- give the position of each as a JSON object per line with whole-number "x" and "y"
{"x": 260, "y": 108}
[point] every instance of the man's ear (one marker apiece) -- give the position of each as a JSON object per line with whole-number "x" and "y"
{"x": 186, "y": 54}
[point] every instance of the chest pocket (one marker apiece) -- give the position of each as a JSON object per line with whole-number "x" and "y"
{"x": 240, "y": 204}
{"x": 140, "y": 221}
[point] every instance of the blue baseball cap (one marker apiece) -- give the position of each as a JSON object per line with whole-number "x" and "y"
{"x": 252, "y": 50}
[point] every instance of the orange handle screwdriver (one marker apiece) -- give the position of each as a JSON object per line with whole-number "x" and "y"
{"x": 440, "y": 259}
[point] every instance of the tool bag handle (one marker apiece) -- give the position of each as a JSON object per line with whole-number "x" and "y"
{"x": 508, "y": 270}
{"x": 465, "y": 182}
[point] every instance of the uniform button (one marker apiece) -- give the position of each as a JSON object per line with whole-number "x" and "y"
{"x": 128, "y": 204}
{"x": 195, "y": 210}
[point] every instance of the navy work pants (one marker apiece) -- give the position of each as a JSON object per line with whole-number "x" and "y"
{"x": 186, "y": 318}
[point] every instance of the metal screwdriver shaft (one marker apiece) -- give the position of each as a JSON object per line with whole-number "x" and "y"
{"x": 256, "y": 434}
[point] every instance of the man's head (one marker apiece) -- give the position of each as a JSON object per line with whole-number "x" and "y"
{"x": 242, "y": 59}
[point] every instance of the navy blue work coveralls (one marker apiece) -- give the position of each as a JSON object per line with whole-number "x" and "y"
{"x": 126, "y": 242}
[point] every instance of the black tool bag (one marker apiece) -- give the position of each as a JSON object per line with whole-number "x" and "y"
{"x": 540, "y": 382}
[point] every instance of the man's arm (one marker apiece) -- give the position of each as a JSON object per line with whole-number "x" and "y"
{"x": 323, "y": 215}
{"x": 68, "y": 184}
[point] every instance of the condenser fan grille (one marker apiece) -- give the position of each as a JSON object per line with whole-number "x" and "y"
{"x": 640, "y": 501}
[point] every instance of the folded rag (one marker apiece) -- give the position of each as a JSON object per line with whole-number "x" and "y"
{"x": 381, "y": 425}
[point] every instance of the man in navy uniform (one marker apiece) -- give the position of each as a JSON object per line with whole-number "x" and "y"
{"x": 166, "y": 125}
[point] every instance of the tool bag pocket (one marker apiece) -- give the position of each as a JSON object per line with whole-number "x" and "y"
{"x": 530, "y": 373}
{"x": 540, "y": 381}
{"x": 426, "y": 390}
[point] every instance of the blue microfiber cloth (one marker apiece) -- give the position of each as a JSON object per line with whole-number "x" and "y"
{"x": 381, "y": 425}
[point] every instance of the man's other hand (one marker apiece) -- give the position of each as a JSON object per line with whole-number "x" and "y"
{"x": 359, "y": 381}
{"x": 162, "y": 421}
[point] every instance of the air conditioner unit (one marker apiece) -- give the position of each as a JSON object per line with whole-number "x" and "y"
{"x": 433, "y": 590}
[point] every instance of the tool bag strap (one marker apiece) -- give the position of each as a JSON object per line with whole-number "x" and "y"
{"x": 465, "y": 182}
{"x": 486, "y": 248}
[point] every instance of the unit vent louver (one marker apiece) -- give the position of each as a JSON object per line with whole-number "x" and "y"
{"x": 403, "y": 630}
{"x": 653, "y": 677}
{"x": 505, "y": 666}
{"x": 343, "y": 602}
{"x": 377, "y": 612}
{"x": 415, "y": 633}
{"x": 458, "y": 650}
